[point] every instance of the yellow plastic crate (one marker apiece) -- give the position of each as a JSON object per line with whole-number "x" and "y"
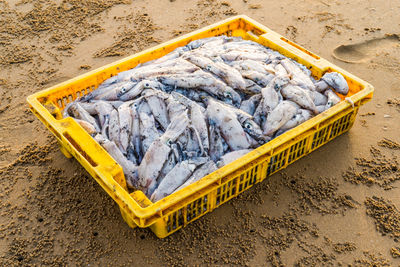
{"x": 177, "y": 210}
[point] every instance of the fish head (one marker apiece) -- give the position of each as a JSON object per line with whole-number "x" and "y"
{"x": 74, "y": 110}
{"x": 125, "y": 88}
{"x": 336, "y": 81}
{"x": 100, "y": 139}
{"x": 280, "y": 82}
{"x": 136, "y": 103}
{"x": 252, "y": 128}
{"x": 152, "y": 84}
{"x": 231, "y": 97}
{"x": 330, "y": 103}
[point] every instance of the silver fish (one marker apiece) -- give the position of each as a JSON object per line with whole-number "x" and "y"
{"x": 130, "y": 169}
{"x": 158, "y": 107}
{"x": 88, "y": 127}
{"x": 216, "y": 146}
{"x": 206, "y": 82}
{"x": 229, "y": 125}
{"x": 318, "y": 98}
{"x": 232, "y": 156}
{"x": 176, "y": 177}
{"x": 158, "y": 152}
{"x": 168, "y": 166}
{"x": 199, "y": 173}
{"x": 105, "y": 128}
{"x": 300, "y": 96}
{"x": 298, "y": 76}
{"x": 280, "y": 70}
{"x": 192, "y": 94}
{"x": 113, "y": 93}
{"x": 271, "y": 96}
{"x": 186, "y": 101}
{"x": 241, "y": 55}
{"x": 89, "y": 107}
{"x": 301, "y": 116}
{"x": 337, "y": 82}
{"x": 132, "y": 92}
{"x": 321, "y": 86}
{"x": 148, "y": 130}
{"x": 194, "y": 146}
{"x": 230, "y": 75}
{"x": 251, "y": 104}
{"x": 251, "y": 127}
{"x": 321, "y": 108}
{"x": 114, "y": 103}
{"x": 251, "y": 87}
{"x": 257, "y": 77}
{"x": 279, "y": 117}
{"x": 174, "y": 108}
{"x": 125, "y": 124}
{"x": 245, "y": 119}
{"x": 155, "y": 73}
{"x": 103, "y": 110}
{"x": 114, "y": 128}
{"x": 252, "y": 65}
{"x": 136, "y": 143}
{"x": 201, "y": 42}
{"x": 78, "y": 112}
{"x": 333, "y": 99}
{"x": 199, "y": 122}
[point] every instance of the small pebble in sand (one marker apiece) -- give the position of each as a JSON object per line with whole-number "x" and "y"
{"x": 254, "y": 6}
{"x": 395, "y": 252}
{"x": 85, "y": 67}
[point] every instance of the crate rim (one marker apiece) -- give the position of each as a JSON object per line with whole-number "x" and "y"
{"x": 209, "y": 180}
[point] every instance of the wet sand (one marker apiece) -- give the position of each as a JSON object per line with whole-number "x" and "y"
{"x": 338, "y": 206}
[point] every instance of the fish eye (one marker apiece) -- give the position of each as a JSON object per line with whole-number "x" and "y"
{"x": 147, "y": 85}
{"x": 247, "y": 125}
{"x": 228, "y": 94}
{"x": 169, "y": 142}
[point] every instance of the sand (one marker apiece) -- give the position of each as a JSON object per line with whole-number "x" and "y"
{"x": 337, "y": 206}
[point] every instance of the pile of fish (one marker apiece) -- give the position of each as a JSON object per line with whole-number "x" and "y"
{"x": 171, "y": 121}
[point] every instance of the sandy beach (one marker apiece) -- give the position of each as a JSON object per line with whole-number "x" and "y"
{"x": 338, "y": 206}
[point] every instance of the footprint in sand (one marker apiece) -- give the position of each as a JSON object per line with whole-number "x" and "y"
{"x": 364, "y": 51}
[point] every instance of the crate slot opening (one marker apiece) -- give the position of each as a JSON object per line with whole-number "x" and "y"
{"x": 80, "y": 150}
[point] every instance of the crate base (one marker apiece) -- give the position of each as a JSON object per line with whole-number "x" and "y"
{"x": 127, "y": 219}
{"x": 64, "y": 151}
